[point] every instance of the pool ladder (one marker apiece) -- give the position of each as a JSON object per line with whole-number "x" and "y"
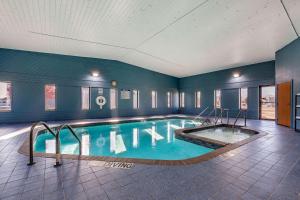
{"x": 241, "y": 111}
{"x": 57, "y": 140}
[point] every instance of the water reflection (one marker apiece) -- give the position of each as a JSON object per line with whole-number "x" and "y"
{"x": 50, "y": 146}
{"x": 112, "y": 140}
{"x": 154, "y": 135}
{"x": 117, "y": 144}
{"x": 169, "y": 133}
{"x": 85, "y": 145}
{"x": 182, "y": 123}
{"x": 149, "y": 139}
{"x": 174, "y": 126}
{"x": 153, "y": 131}
{"x": 135, "y": 140}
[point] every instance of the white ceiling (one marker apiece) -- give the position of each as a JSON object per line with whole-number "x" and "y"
{"x": 175, "y": 37}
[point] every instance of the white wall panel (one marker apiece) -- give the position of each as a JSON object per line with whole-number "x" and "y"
{"x": 175, "y": 37}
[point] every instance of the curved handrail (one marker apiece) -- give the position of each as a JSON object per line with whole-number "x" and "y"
{"x": 31, "y": 139}
{"x": 58, "y": 141}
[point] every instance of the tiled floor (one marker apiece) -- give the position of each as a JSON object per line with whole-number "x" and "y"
{"x": 267, "y": 168}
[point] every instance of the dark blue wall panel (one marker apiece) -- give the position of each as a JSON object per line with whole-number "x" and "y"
{"x": 288, "y": 68}
{"x": 230, "y": 100}
{"x": 30, "y": 71}
{"x": 252, "y": 77}
{"x": 253, "y": 102}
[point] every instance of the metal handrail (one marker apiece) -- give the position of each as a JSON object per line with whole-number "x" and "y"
{"x": 208, "y": 116}
{"x": 213, "y": 111}
{"x": 220, "y": 116}
{"x": 31, "y": 139}
{"x": 199, "y": 115}
{"x": 58, "y": 142}
{"x": 227, "y": 115}
{"x": 238, "y": 116}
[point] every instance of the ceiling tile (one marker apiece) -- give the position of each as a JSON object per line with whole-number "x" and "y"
{"x": 175, "y": 37}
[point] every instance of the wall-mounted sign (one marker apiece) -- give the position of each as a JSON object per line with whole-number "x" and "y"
{"x": 100, "y": 101}
{"x": 100, "y": 91}
{"x": 125, "y": 94}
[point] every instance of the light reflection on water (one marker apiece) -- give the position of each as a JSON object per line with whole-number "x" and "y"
{"x": 146, "y": 140}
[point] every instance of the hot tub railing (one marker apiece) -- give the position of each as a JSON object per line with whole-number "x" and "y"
{"x": 199, "y": 116}
{"x": 226, "y": 110}
{"x": 207, "y": 118}
{"x": 241, "y": 111}
{"x": 221, "y": 115}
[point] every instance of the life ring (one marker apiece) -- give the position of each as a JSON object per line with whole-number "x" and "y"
{"x": 100, "y": 101}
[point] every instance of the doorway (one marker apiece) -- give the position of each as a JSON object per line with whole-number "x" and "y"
{"x": 267, "y": 102}
{"x": 284, "y": 91}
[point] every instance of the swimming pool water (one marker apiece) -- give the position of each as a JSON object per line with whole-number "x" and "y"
{"x": 144, "y": 140}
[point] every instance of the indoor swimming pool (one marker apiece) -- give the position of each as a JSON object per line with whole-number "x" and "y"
{"x": 154, "y": 139}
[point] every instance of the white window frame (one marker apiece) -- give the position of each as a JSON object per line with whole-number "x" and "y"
{"x": 113, "y": 94}
{"x": 89, "y": 100}
{"x": 135, "y": 99}
{"x": 55, "y": 99}
{"x": 154, "y": 99}
{"x": 198, "y": 99}
{"x": 10, "y": 106}
{"x": 240, "y": 98}
{"x": 169, "y": 99}
{"x": 181, "y": 99}
{"x": 215, "y": 98}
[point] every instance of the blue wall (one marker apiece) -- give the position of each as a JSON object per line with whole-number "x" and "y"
{"x": 29, "y": 72}
{"x": 252, "y": 77}
{"x": 288, "y": 68}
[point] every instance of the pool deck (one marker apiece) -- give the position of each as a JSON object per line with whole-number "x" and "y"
{"x": 267, "y": 168}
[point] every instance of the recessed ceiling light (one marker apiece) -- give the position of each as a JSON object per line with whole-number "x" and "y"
{"x": 236, "y": 75}
{"x": 114, "y": 83}
{"x": 95, "y": 74}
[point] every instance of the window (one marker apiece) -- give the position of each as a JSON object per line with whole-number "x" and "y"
{"x": 85, "y": 98}
{"x": 198, "y": 99}
{"x": 243, "y": 98}
{"x": 267, "y": 105}
{"x": 136, "y": 99}
{"x": 50, "y": 97}
{"x": 181, "y": 99}
{"x": 5, "y": 96}
{"x": 169, "y": 99}
{"x": 217, "y": 99}
{"x": 154, "y": 99}
{"x": 113, "y": 98}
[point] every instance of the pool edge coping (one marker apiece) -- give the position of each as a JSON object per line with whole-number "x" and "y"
{"x": 24, "y": 148}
